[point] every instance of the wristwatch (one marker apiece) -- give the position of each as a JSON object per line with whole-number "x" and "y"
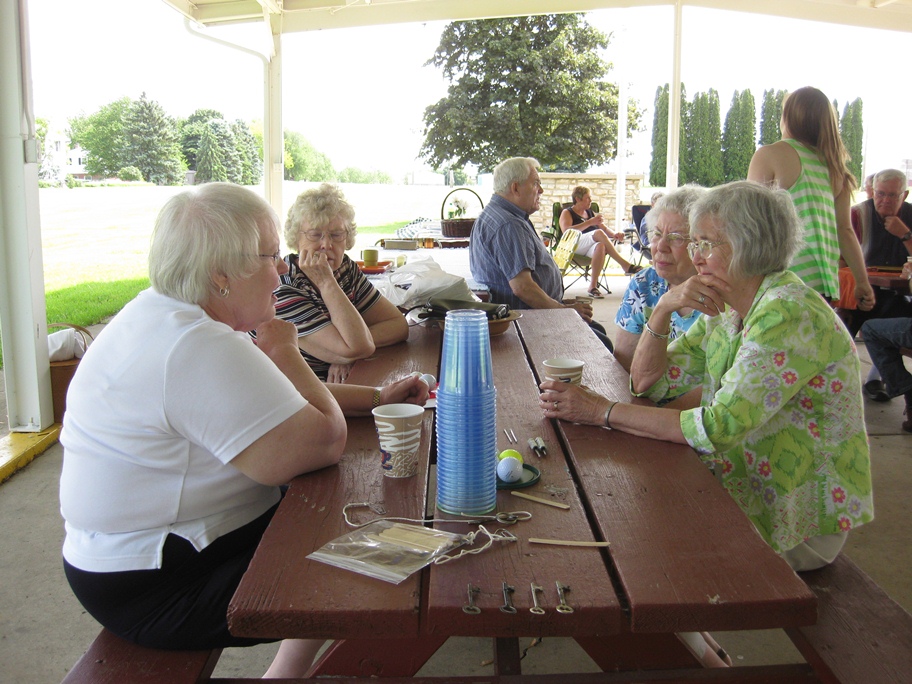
{"x": 906, "y": 237}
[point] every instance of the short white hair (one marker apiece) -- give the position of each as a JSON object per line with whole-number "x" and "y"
{"x": 513, "y": 170}
{"x": 888, "y": 175}
{"x": 676, "y": 202}
{"x": 213, "y": 229}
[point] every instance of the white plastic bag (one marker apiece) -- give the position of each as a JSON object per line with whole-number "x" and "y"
{"x": 67, "y": 344}
{"x": 419, "y": 280}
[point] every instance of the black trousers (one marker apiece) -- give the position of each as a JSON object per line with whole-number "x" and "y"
{"x": 184, "y": 604}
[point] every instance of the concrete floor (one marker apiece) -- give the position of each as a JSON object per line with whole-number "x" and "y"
{"x": 44, "y": 630}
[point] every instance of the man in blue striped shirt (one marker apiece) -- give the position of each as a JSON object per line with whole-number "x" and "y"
{"x": 506, "y": 253}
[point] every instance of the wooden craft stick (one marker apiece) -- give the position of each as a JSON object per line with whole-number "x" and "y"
{"x": 547, "y": 502}
{"x": 567, "y": 542}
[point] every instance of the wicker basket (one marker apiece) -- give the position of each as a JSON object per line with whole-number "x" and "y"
{"x": 457, "y": 227}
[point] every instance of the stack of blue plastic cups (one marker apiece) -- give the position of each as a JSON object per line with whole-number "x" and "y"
{"x": 466, "y": 417}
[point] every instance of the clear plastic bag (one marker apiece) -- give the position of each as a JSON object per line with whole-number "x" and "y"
{"x": 389, "y": 551}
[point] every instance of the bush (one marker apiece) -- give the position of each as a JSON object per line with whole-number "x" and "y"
{"x": 70, "y": 181}
{"x": 130, "y": 173}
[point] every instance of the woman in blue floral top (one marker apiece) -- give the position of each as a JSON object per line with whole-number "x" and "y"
{"x": 781, "y": 414}
{"x": 669, "y": 233}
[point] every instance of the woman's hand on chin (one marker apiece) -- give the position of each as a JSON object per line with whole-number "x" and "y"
{"x": 316, "y": 266}
{"x": 700, "y": 292}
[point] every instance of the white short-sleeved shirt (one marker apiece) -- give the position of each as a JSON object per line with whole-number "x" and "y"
{"x": 160, "y": 404}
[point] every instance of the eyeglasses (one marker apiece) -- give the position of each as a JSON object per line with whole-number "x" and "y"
{"x": 275, "y": 257}
{"x": 319, "y": 236}
{"x": 704, "y": 247}
{"x": 880, "y": 194}
{"x": 671, "y": 239}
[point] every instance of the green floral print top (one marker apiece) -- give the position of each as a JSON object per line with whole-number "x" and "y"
{"x": 781, "y": 415}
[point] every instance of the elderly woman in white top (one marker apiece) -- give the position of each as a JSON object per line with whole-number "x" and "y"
{"x": 179, "y": 430}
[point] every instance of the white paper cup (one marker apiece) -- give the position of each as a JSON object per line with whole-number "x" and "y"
{"x": 564, "y": 370}
{"x": 399, "y": 430}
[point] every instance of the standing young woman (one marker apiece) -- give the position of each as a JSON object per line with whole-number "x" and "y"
{"x": 810, "y": 163}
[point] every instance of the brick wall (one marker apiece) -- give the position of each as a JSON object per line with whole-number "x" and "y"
{"x": 558, "y": 186}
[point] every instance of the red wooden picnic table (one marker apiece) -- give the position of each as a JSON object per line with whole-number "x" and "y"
{"x": 682, "y": 555}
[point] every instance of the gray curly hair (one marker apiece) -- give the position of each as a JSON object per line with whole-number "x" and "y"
{"x": 758, "y": 221}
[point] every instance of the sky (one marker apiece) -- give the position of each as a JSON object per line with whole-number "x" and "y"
{"x": 359, "y": 94}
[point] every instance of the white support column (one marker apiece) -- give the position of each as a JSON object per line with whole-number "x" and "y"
{"x": 23, "y": 326}
{"x": 674, "y": 106}
{"x": 273, "y": 138}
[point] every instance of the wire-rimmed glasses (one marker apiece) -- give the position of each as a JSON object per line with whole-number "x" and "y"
{"x": 704, "y": 247}
{"x": 671, "y": 239}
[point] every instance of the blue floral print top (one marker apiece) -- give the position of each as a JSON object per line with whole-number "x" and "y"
{"x": 642, "y": 295}
{"x": 781, "y": 415}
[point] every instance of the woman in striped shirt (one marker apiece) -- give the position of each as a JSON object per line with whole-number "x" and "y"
{"x": 339, "y": 314}
{"x": 810, "y": 163}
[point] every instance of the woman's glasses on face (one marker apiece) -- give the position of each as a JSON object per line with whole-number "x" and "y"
{"x": 671, "y": 239}
{"x": 275, "y": 257}
{"x": 704, "y": 247}
{"x": 319, "y": 236}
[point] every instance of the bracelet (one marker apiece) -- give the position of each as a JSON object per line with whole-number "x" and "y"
{"x": 658, "y": 336}
{"x": 906, "y": 237}
{"x": 608, "y": 414}
{"x": 376, "y": 401}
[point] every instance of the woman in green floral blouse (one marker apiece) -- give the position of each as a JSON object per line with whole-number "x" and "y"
{"x": 781, "y": 415}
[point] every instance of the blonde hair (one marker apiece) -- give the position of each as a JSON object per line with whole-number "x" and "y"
{"x": 318, "y": 207}
{"x": 579, "y": 192}
{"x": 811, "y": 119}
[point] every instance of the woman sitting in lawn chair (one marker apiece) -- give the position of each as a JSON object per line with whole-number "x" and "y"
{"x": 596, "y": 240}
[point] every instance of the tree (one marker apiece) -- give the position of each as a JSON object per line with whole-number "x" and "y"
{"x": 210, "y": 164}
{"x": 150, "y": 138}
{"x": 530, "y": 86}
{"x": 251, "y": 167}
{"x": 101, "y": 135}
{"x": 303, "y": 162}
{"x": 770, "y": 116}
{"x": 701, "y": 158}
{"x": 191, "y": 132}
{"x": 738, "y": 144}
{"x": 47, "y": 168}
{"x": 224, "y": 136}
{"x": 851, "y": 128}
{"x": 659, "y": 164}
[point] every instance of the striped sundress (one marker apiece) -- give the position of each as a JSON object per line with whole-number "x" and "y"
{"x": 817, "y": 262}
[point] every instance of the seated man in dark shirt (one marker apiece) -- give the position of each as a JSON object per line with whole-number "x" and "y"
{"x": 884, "y": 226}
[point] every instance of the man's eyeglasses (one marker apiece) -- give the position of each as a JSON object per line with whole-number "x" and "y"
{"x": 671, "y": 239}
{"x": 319, "y": 236}
{"x": 275, "y": 257}
{"x": 880, "y": 194}
{"x": 704, "y": 247}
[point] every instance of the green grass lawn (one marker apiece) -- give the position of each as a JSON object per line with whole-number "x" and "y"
{"x": 95, "y": 248}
